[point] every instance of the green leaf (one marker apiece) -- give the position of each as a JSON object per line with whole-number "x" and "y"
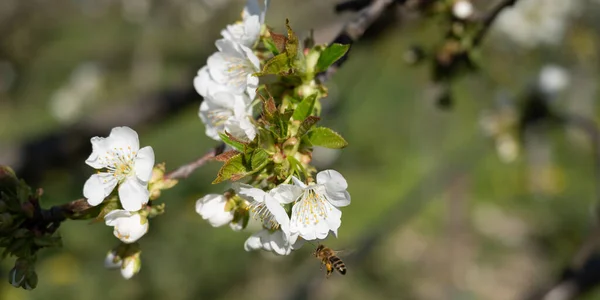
{"x": 325, "y": 137}
{"x": 330, "y": 55}
{"x": 269, "y": 108}
{"x": 306, "y": 125}
{"x": 291, "y": 44}
{"x": 233, "y": 169}
{"x": 278, "y": 41}
{"x": 305, "y": 108}
{"x": 233, "y": 142}
{"x": 283, "y": 121}
{"x": 241, "y": 165}
{"x": 278, "y": 64}
{"x": 260, "y": 158}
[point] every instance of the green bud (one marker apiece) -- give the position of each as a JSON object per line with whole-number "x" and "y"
{"x": 8, "y": 180}
{"x": 131, "y": 266}
{"x": 31, "y": 281}
{"x": 18, "y": 274}
{"x": 6, "y": 220}
{"x": 278, "y": 158}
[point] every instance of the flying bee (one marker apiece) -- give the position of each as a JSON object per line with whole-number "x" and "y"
{"x": 330, "y": 260}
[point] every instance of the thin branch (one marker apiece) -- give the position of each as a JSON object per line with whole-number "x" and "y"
{"x": 354, "y": 30}
{"x": 186, "y": 170}
{"x": 489, "y": 19}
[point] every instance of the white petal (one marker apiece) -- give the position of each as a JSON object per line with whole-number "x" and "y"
{"x": 279, "y": 243}
{"x": 112, "y": 218}
{"x": 202, "y": 81}
{"x": 212, "y": 208}
{"x": 298, "y": 182}
{"x": 279, "y": 213}
{"x": 97, "y": 187}
{"x": 123, "y": 137}
{"x": 252, "y": 85}
{"x": 253, "y": 242}
{"x": 286, "y": 193}
{"x": 251, "y": 57}
{"x": 339, "y": 199}
{"x": 253, "y": 193}
{"x": 334, "y": 219}
{"x": 332, "y": 179}
{"x": 144, "y": 162}
{"x": 98, "y": 149}
{"x": 133, "y": 194}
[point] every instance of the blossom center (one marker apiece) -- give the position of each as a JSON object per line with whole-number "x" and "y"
{"x": 119, "y": 162}
{"x": 312, "y": 205}
{"x": 238, "y": 69}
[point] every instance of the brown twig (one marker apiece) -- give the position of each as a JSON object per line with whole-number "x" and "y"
{"x": 354, "y": 30}
{"x": 489, "y": 19}
{"x": 186, "y": 170}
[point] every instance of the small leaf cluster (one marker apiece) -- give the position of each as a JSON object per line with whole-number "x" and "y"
{"x": 289, "y": 108}
{"x": 24, "y": 227}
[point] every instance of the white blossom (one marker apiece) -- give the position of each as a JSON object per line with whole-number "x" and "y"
{"x": 232, "y": 67}
{"x": 530, "y": 23}
{"x": 224, "y": 111}
{"x": 462, "y": 9}
{"x": 128, "y": 226}
{"x": 212, "y": 208}
{"x": 553, "y": 79}
{"x": 316, "y": 209}
{"x": 125, "y": 164}
{"x": 245, "y": 32}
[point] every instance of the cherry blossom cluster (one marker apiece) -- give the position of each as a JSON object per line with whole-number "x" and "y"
{"x": 288, "y": 209}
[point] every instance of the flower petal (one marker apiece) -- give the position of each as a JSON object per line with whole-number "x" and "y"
{"x": 112, "y": 218}
{"x": 144, "y": 162}
{"x": 286, "y": 193}
{"x": 202, "y": 81}
{"x": 212, "y": 208}
{"x": 298, "y": 182}
{"x": 97, "y": 187}
{"x": 279, "y": 243}
{"x": 332, "y": 180}
{"x": 254, "y": 241}
{"x": 251, "y": 192}
{"x": 133, "y": 194}
{"x": 123, "y": 137}
{"x": 99, "y": 148}
{"x": 334, "y": 219}
{"x": 338, "y": 199}
{"x": 279, "y": 213}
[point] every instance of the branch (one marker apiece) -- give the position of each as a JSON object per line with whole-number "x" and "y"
{"x": 186, "y": 170}
{"x": 489, "y": 19}
{"x": 354, "y": 30}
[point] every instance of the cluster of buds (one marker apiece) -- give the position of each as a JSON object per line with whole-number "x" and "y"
{"x": 24, "y": 227}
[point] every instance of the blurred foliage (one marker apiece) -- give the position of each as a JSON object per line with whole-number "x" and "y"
{"x": 468, "y": 225}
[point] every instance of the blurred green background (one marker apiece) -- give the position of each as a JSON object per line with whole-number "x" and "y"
{"x": 446, "y": 216}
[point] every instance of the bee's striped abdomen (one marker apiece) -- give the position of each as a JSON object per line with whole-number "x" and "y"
{"x": 338, "y": 264}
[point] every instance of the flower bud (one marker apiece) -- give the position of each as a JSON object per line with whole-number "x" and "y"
{"x": 18, "y": 274}
{"x": 278, "y": 158}
{"x": 31, "y": 281}
{"x": 131, "y": 266}
{"x": 8, "y": 180}
{"x": 6, "y": 220}
{"x": 112, "y": 260}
